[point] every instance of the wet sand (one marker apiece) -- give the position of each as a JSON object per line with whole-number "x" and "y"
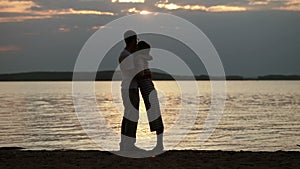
{"x": 18, "y": 158}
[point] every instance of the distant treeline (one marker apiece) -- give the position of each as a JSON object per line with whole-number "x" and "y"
{"x": 279, "y": 77}
{"x": 109, "y": 75}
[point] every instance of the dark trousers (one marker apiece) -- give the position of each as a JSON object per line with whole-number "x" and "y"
{"x": 131, "y": 101}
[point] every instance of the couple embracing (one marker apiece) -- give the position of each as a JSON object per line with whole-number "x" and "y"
{"x": 136, "y": 76}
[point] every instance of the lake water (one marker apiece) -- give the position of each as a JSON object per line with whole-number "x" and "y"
{"x": 258, "y": 116}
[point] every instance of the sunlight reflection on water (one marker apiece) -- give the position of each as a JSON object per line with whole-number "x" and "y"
{"x": 259, "y": 115}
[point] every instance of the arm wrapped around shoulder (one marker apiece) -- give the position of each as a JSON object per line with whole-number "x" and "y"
{"x": 147, "y": 74}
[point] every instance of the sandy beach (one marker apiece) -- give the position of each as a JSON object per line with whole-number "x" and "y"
{"x": 18, "y": 158}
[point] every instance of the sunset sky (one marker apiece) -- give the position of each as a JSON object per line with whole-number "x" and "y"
{"x": 252, "y": 37}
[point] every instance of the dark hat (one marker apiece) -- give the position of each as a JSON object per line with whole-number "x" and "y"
{"x": 129, "y": 33}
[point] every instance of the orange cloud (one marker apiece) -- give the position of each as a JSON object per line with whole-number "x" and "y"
{"x": 9, "y": 48}
{"x": 134, "y": 10}
{"x": 72, "y": 11}
{"x": 25, "y": 8}
{"x": 128, "y": 1}
{"x": 252, "y": 2}
{"x": 22, "y": 18}
{"x": 289, "y": 8}
{"x": 224, "y": 8}
{"x": 291, "y": 5}
{"x": 293, "y": 2}
{"x": 97, "y": 27}
{"x": 172, "y": 6}
{"x": 217, "y": 8}
{"x": 16, "y": 6}
{"x": 64, "y": 29}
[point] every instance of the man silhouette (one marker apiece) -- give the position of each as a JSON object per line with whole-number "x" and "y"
{"x": 130, "y": 94}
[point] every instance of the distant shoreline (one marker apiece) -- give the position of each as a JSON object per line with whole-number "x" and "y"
{"x": 25, "y": 159}
{"x": 108, "y": 76}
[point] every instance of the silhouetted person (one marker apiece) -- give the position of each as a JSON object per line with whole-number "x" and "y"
{"x": 148, "y": 91}
{"x": 130, "y": 94}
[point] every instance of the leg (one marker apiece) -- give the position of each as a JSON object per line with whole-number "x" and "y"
{"x": 153, "y": 110}
{"x": 159, "y": 140}
{"x": 151, "y": 102}
{"x": 130, "y": 119}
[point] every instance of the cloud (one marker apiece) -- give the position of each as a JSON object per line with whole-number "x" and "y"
{"x": 293, "y": 2}
{"x": 224, "y": 8}
{"x": 22, "y": 18}
{"x": 97, "y": 27}
{"x": 25, "y": 11}
{"x": 128, "y": 1}
{"x": 173, "y": 6}
{"x": 134, "y": 10}
{"x": 229, "y": 5}
{"x": 253, "y": 2}
{"x": 289, "y": 8}
{"x": 72, "y": 11}
{"x": 9, "y": 48}
{"x": 64, "y": 29}
{"x": 216, "y": 8}
{"x": 290, "y": 5}
{"x": 17, "y": 6}
{"x": 22, "y": 10}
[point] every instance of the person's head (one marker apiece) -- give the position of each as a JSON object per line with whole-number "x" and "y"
{"x": 130, "y": 38}
{"x": 144, "y": 47}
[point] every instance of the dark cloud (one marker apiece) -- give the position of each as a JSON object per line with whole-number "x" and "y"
{"x": 102, "y": 5}
{"x": 249, "y": 43}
